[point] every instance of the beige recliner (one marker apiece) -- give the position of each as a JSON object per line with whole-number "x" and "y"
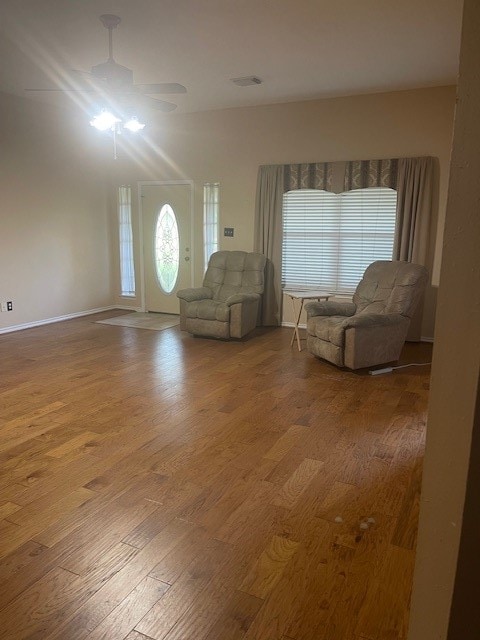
{"x": 227, "y": 305}
{"x": 372, "y": 329}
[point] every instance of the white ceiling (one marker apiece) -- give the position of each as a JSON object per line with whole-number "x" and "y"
{"x": 301, "y": 49}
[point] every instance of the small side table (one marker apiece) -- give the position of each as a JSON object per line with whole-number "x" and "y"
{"x": 302, "y": 296}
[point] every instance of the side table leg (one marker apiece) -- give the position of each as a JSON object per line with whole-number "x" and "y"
{"x": 296, "y": 326}
{"x": 296, "y": 331}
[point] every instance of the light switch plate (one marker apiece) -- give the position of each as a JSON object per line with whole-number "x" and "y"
{"x": 228, "y": 231}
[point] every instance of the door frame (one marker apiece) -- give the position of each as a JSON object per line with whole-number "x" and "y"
{"x": 162, "y": 183}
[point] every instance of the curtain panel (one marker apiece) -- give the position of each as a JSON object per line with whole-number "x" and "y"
{"x": 412, "y": 178}
{"x": 268, "y": 239}
{"x": 414, "y": 205}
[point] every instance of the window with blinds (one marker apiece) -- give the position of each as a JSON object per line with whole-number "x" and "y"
{"x": 127, "y": 268}
{"x": 329, "y": 239}
{"x": 211, "y": 207}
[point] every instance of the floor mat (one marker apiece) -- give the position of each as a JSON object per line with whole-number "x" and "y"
{"x": 152, "y": 321}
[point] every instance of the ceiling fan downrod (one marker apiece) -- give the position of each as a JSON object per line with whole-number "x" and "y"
{"x": 110, "y": 22}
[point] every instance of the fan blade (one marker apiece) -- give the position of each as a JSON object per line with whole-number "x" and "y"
{"x": 82, "y": 73}
{"x": 152, "y": 103}
{"x": 162, "y": 87}
{"x": 89, "y": 80}
{"x": 65, "y": 90}
{"x": 79, "y": 82}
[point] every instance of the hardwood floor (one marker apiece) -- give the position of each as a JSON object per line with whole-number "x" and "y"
{"x": 159, "y": 486}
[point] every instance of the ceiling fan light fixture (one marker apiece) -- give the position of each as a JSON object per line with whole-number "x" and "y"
{"x": 133, "y": 125}
{"x": 110, "y": 80}
{"x": 104, "y": 121}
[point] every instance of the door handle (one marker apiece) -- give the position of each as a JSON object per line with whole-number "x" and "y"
{"x": 187, "y": 259}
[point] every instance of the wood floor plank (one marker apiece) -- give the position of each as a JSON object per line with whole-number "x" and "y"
{"x": 221, "y": 485}
{"x": 259, "y": 496}
{"x": 269, "y": 567}
{"x": 132, "y": 609}
{"x": 162, "y": 617}
{"x": 287, "y": 593}
{"x": 124, "y": 509}
{"x": 158, "y": 486}
{"x": 385, "y": 595}
{"x": 405, "y": 534}
{"x": 210, "y": 603}
{"x": 21, "y": 557}
{"x": 146, "y": 530}
{"x": 81, "y": 440}
{"x": 7, "y": 509}
{"x": 236, "y": 618}
{"x": 135, "y": 635}
{"x": 31, "y": 521}
{"x": 91, "y": 613}
{"x": 365, "y": 566}
{"x": 26, "y": 617}
{"x": 231, "y": 497}
{"x": 323, "y": 580}
{"x": 48, "y": 602}
{"x": 122, "y": 514}
{"x": 297, "y": 483}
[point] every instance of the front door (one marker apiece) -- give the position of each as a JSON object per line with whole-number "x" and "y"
{"x": 167, "y": 241}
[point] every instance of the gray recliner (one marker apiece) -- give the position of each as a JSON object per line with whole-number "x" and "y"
{"x": 227, "y": 305}
{"x": 372, "y": 329}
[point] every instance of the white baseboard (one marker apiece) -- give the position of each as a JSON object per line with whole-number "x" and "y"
{"x": 292, "y": 324}
{"x": 425, "y": 339}
{"x": 69, "y": 316}
{"x": 124, "y": 307}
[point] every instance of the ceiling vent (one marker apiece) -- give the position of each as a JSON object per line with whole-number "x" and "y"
{"x": 247, "y": 81}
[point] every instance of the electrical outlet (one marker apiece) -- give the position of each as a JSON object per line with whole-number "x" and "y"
{"x": 9, "y": 305}
{"x": 228, "y": 231}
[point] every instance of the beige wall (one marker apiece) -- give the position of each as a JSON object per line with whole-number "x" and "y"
{"x": 454, "y": 385}
{"x": 54, "y": 257}
{"x": 228, "y": 146}
{"x": 58, "y": 241}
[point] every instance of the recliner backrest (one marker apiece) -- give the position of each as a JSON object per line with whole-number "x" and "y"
{"x": 231, "y": 272}
{"x": 390, "y": 287}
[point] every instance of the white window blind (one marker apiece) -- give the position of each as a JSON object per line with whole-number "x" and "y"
{"x": 127, "y": 268}
{"x": 211, "y": 205}
{"x": 329, "y": 239}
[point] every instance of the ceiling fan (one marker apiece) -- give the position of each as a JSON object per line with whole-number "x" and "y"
{"x": 112, "y": 80}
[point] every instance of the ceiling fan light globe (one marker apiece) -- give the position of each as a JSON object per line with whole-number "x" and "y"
{"x": 133, "y": 125}
{"x": 104, "y": 121}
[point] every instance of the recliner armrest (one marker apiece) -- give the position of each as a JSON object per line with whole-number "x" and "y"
{"x": 242, "y": 297}
{"x": 373, "y": 320}
{"x": 330, "y": 308}
{"x": 199, "y": 293}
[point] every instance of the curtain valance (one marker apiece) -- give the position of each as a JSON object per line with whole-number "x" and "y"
{"x": 313, "y": 175}
{"x": 365, "y": 174}
{"x": 340, "y": 176}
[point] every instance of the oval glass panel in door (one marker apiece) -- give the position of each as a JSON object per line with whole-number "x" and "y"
{"x": 167, "y": 248}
